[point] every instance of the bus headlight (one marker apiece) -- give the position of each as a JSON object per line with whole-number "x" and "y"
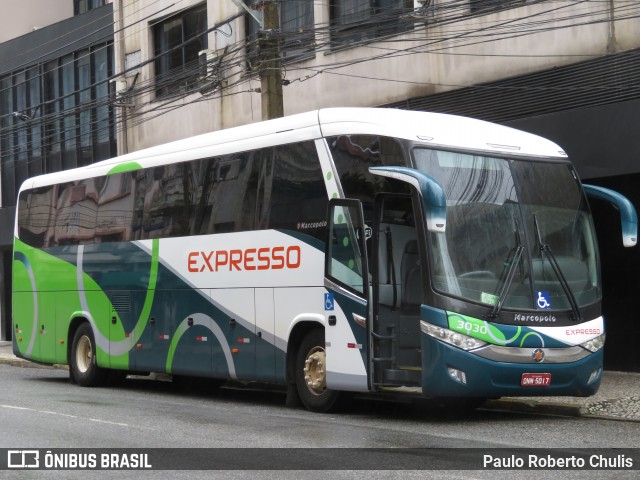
{"x": 594, "y": 344}
{"x": 457, "y": 339}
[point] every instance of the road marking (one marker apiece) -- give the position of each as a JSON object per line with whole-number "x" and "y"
{"x": 48, "y": 412}
{"x": 107, "y": 421}
{"x": 14, "y": 407}
{"x": 56, "y": 413}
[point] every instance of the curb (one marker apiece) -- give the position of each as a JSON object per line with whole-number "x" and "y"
{"x": 19, "y": 362}
{"x": 550, "y": 408}
{"x": 533, "y": 406}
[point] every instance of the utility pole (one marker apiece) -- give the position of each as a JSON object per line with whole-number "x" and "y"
{"x": 270, "y": 62}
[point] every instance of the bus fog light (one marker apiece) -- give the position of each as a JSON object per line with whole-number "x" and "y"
{"x": 595, "y": 375}
{"x": 458, "y": 375}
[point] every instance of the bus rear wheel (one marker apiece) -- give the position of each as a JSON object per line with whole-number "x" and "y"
{"x": 311, "y": 374}
{"x": 83, "y": 368}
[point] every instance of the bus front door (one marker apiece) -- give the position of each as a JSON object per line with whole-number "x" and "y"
{"x": 397, "y": 295}
{"x": 346, "y": 304}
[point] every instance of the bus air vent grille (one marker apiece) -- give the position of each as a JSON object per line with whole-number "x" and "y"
{"x": 121, "y": 303}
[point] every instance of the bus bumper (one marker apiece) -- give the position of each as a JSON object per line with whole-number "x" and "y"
{"x": 485, "y": 378}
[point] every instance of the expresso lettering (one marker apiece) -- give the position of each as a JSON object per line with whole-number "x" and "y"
{"x": 265, "y": 258}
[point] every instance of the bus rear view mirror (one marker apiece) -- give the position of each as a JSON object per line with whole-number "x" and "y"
{"x": 434, "y": 201}
{"x": 628, "y": 216}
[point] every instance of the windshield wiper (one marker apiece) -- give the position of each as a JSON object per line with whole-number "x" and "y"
{"x": 510, "y": 274}
{"x": 545, "y": 249}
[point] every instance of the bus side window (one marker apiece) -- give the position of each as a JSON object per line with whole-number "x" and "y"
{"x": 168, "y": 201}
{"x": 299, "y": 195}
{"x": 36, "y": 216}
{"x": 219, "y": 203}
{"x": 257, "y": 197}
{"x": 354, "y": 154}
{"x": 114, "y": 207}
{"x": 77, "y": 204}
{"x": 203, "y": 180}
{"x": 137, "y": 204}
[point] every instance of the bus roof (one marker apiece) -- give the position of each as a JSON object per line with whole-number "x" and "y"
{"x": 437, "y": 129}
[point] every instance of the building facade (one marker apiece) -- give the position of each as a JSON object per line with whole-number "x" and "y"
{"x": 393, "y": 50}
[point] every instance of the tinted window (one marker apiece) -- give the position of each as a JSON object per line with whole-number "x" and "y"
{"x": 224, "y": 200}
{"x": 36, "y": 216}
{"x": 354, "y": 154}
{"x": 298, "y": 195}
{"x": 167, "y": 201}
{"x": 75, "y": 218}
{"x": 115, "y": 207}
{"x": 279, "y": 187}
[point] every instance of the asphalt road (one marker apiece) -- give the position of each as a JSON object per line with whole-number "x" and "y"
{"x": 39, "y": 408}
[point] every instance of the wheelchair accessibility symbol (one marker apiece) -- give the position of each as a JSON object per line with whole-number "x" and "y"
{"x": 543, "y": 300}
{"x": 328, "y": 301}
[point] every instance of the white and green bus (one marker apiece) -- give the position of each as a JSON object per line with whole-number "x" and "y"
{"x": 340, "y": 250}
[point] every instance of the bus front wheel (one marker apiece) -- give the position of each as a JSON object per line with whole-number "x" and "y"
{"x": 83, "y": 368}
{"x": 311, "y": 374}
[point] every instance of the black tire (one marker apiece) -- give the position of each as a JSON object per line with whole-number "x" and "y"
{"x": 311, "y": 376}
{"x": 83, "y": 368}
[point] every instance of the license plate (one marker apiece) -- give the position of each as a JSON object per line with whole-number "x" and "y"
{"x": 535, "y": 380}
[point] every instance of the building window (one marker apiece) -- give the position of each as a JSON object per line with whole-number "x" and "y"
{"x": 69, "y": 89}
{"x": 55, "y": 116}
{"x": 485, "y": 6}
{"x": 83, "y": 6}
{"x": 34, "y": 92}
{"x": 296, "y": 28}
{"x": 85, "y": 107}
{"x": 177, "y": 42}
{"x": 7, "y": 122}
{"x": 52, "y": 106}
{"x": 354, "y": 21}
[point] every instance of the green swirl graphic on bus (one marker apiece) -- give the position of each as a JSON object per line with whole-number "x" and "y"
{"x": 479, "y": 329}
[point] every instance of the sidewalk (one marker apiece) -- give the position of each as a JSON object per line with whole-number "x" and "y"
{"x": 617, "y": 399}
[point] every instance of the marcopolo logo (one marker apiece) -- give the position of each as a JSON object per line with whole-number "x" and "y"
{"x": 520, "y": 317}
{"x": 266, "y": 258}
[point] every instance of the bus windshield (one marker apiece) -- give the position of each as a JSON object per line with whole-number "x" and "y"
{"x": 518, "y": 233}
